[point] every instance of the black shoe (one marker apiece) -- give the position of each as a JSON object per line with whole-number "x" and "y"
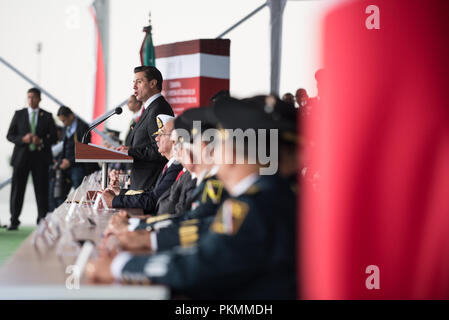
{"x": 13, "y": 227}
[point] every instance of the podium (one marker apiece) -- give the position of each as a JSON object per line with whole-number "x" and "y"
{"x": 95, "y": 153}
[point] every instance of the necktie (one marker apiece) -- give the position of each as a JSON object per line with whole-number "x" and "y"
{"x": 33, "y": 128}
{"x": 163, "y": 170}
{"x": 141, "y": 113}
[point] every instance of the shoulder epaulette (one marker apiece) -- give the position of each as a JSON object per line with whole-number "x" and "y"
{"x": 158, "y": 218}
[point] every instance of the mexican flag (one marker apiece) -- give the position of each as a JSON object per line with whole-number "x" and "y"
{"x": 147, "y": 57}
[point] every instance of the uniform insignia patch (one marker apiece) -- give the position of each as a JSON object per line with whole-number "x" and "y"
{"x": 213, "y": 189}
{"x": 230, "y": 217}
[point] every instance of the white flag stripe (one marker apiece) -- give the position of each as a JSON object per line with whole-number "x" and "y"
{"x": 194, "y": 65}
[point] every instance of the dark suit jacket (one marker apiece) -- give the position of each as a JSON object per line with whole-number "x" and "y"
{"x": 128, "y": 134}
{"x": 148, "y": 162}
{"x": 174, "y": 200}
{"x": 147, "y": 200}
{"x": 68, "y": 151}
{"x": 20, "y": 126}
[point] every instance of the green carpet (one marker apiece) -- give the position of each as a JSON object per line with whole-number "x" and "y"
{"x": 10, "y": 241}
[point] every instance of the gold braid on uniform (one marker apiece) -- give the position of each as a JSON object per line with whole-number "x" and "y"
{"x": 133, "y": 192}
{"x": 188, "y": 235}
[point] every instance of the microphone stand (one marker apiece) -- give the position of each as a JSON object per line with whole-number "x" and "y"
{"x": 117, "y": 110}
{"x": 104, "y": 165}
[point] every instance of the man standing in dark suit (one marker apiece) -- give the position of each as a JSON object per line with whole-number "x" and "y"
{"x": 141, "y": 145}
{"x": 33, "y": 131}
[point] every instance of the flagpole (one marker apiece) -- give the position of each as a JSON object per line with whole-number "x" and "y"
{"x": 147, "y": 55}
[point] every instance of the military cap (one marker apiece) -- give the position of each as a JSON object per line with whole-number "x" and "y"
{"x": 161, "y": 120}
{"x": 233, "y": 113}
{"x": 283, "y": 115}
{"x": 186, "y": 119}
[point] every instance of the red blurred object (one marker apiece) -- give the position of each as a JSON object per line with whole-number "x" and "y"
{"x": 382, "y": 148}
{"x": 100, "y": 81}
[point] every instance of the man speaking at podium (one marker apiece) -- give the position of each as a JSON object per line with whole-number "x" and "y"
{"x": 148, "y": 162}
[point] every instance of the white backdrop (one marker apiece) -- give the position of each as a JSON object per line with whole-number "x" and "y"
{"x": 63, "y": 27}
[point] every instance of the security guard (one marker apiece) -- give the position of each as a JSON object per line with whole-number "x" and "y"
{"x": 249, "y": 251}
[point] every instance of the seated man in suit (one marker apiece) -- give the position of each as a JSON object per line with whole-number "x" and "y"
{"x": 147, "y": 200}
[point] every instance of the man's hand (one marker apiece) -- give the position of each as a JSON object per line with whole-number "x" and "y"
{"x": 117, "y": 224}
{"x": 36, "y": 140}
{"x": 99, "y": 270}
{"x": 108, "y": 196}
{"x": 27, "y": 138}
{"x": 122, "y": 149}
{"x": 65, "y": 164}
{"x": 135, "y": 240}
{"x": 113, "y": 177}
{"x": 114, "y": 181}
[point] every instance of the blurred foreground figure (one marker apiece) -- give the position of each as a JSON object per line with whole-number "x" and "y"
{"x": 377, "y": 226}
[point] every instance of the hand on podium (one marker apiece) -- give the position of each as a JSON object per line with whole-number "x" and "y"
{"x": 122, "y": 148}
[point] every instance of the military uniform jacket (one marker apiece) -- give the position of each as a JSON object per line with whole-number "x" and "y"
{"x": 187, "y": 228}
{"x": 203, "y": 202}
{"x": 20, "y": 126}
{"x": 248, "y": 252}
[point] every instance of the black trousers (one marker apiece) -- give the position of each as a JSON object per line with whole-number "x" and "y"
{"x": 39, "y": 172}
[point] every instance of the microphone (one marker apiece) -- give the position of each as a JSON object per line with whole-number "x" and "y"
{"x": 100, "y": 120}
